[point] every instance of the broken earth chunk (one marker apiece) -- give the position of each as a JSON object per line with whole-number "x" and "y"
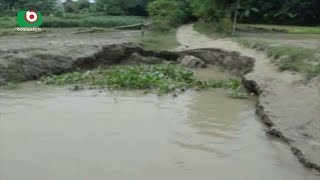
{"x": 138, "y": 58}
{"x": 192, "y": 62}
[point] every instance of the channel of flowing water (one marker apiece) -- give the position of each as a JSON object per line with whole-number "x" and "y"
{"x": 51, "y": 133}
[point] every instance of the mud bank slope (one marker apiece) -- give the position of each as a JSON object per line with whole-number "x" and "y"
{"x": 27, "y": 57}
{"x": 21, "y": 63}
{"x": 290, "y": 108}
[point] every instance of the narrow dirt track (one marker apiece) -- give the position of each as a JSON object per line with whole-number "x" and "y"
{"x": 291, "y": 108}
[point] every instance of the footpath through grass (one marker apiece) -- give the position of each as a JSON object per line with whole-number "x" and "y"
{"x": 159, "y": 78}
{"x": 298, "y": 59}
{"x": 286, "y": 57}
{"x": 75, "y": 20}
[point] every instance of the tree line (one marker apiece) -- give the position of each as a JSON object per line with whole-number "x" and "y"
{"x": 175, "y": 12}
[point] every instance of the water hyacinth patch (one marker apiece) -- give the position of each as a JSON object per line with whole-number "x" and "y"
{"x": 159, "y": 78}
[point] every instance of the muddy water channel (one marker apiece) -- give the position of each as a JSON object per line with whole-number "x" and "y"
{"x": 51, "y": 133}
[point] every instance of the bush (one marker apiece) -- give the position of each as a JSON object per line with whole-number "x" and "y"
{"x": 167, "y": 13}
{"x": 223, "y": 26}
{"x": 209, "y": 10}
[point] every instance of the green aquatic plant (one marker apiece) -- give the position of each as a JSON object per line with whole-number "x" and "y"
{"x": 227, "y": 83}
{"x": 160, "y": 78}
{"x": 237, "y": 94}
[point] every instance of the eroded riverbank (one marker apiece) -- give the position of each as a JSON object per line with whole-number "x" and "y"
{"x": 289, "y": 106}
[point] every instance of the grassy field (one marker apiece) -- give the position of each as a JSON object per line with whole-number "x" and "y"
{"x": 155, "y": 40}
{"x": 280, "y": 28}
{"x": 71, "y": 20}
{"x": 298, "y": 59}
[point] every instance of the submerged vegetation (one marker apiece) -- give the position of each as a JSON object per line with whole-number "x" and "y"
{"x": 304, "y": 60}
{"x": 159, "y": 78}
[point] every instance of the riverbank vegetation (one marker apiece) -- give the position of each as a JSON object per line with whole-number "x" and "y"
{"x": 298, "y": 59}
{"x": 159, "y": 78}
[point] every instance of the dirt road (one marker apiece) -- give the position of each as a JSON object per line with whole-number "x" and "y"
{"x": 291, "y": 108}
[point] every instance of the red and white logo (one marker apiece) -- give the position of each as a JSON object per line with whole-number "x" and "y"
{"x": 31, "y": 16}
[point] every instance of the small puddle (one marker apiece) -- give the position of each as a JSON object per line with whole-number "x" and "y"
{"x": 50, "y": 133}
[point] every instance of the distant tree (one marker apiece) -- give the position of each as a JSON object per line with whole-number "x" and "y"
{"x": 70, "y": 6}
{"x": 167, "y": 13}
{"x": 122, "y": 7}
{"x": 303, "y": 12}
{"x": 211, "y": 10}
{"x": 10, "y": 3}
{"x": 44, "y": 6}
{"x": 83, "y": 5}
{"x": 5, "y": 8}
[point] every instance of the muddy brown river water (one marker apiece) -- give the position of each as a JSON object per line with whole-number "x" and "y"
{"x": 51, "y": 133}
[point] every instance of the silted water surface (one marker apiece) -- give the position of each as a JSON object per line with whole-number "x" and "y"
{"x": 50, "y": 133}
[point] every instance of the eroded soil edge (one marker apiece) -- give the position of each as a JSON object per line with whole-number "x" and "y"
{"x": 273, "y": 130}
{"x": 32, "y": 67}
{"x": 287, "y": 104}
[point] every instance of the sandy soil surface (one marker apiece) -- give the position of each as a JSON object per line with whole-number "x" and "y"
{"x": 291, "y": 108}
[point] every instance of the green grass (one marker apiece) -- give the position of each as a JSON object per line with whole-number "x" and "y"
{"x": 281, "y": 28}
{"x": 78, "y": 21}
{"x": 286, "y": 57}
{"x": 158, "y": 40}
{"x": 160, "y": 78}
